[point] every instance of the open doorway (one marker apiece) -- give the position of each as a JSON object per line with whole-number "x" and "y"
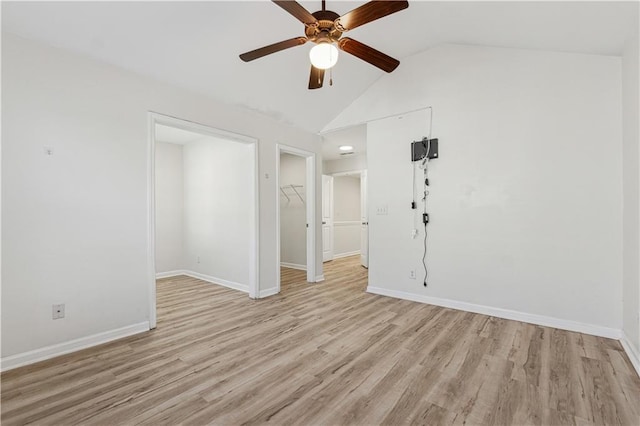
{"x": 295, "y": 222}
{"x": 344, "y": 195}
{"x": 345, "y": 222}
{"x": 203, "y": 209}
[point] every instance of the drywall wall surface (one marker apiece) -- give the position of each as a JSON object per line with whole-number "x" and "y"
{"x": 293, "y": 219}
{"x": 346, "y": 215}
{"x": 631, "y": 188}
{"x": 525, "y": 200}
{"x": 346, "y": 198}
{"x": 348, "y": 164}
{"x": 346, "y": 239}
{"x": 217, "y": 208}
{"x": 169, "y": 202}
{"x": 75, "y": 223}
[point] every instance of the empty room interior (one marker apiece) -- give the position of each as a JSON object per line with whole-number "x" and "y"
{"x": 320, "y": 213}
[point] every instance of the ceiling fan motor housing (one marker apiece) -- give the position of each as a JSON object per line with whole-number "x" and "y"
{"x": 325, "y": 31}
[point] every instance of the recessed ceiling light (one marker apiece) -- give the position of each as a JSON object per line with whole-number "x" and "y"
{"x": 346, "y": 148}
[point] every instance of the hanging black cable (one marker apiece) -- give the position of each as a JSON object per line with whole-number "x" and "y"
{"x": 424, "y": 256}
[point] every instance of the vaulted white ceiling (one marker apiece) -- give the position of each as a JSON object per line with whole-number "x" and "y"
{"x": 196, "y": 45}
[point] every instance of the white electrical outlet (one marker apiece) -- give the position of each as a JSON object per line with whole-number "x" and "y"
{"x": 414, "y": 233}
{"x": 58, "y": 311}
{"x": 412, "y": 274}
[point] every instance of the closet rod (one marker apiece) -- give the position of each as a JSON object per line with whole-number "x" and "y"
{"x": 293, "y": 187}
{"x": 297, "y": 193}
{"x": 285, "y": 194}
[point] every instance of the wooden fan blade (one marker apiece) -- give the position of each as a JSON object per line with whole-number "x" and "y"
{"x": 298, "y": 11}
{"x": 316, "y": 78}
{"x": 368, "y": 54}
{"x": 273, "y": 48}
{"x": 369, "y": 12}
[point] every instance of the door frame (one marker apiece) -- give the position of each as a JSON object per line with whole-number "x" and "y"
{"x": 154, "y": 118}
{"x": 310, "y": 202}
{"x": 358, "y": 172}
{"x": 331, "y": 226}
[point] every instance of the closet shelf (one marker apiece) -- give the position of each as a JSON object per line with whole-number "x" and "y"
{"x": 293, "y": 187}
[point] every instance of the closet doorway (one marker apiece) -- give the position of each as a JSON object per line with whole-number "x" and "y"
{"x": 203, "y": 209}
{"x": 295, "y": 207}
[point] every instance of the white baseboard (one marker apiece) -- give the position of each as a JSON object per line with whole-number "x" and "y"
{"x": 294, "y": 266}
{"x": 170, "y": 274}
{"x": 562, "y": 324}
{"x": 632, "y": 352}
{"x": 268, "y": 292}
{"x": 319, "y": 278}
{"x": 347, "y": 254}
{"x": 25, "y": 358}
{"x": 214, "y": 280}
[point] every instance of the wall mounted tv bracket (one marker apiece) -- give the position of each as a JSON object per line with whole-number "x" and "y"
{"x": 419, "y": 149}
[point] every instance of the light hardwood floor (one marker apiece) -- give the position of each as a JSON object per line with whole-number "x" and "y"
{"x": 329, "y": 354}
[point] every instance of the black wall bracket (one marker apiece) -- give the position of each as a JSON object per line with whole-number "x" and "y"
{"x": 419, "y": 149}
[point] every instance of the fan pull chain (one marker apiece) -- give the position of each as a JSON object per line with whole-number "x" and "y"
{"x": 331, "y": 76}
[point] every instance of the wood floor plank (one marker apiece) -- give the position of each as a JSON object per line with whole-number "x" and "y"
{"x": 326, "y": 353}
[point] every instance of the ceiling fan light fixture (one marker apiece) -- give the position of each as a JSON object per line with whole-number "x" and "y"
{"x": 323, "y": 55}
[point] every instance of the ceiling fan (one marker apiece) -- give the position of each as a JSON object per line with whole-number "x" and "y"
{"x": 325, "y": 29}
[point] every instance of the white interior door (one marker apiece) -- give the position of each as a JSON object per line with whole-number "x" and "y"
{"x": 364, "y": 218}
{"x": 327, "y": 218}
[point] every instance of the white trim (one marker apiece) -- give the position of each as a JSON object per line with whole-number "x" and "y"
{"x": 310, "y": 188}
{"x": 208, "y": 278}
{"x": 151, "y": 219}
{"x": 347, "y": 223}
{"x": 219, "y": 281}
{"x": 319, "y": 278}
{"x": 563, "y": 324}
{"x": 294, "y": 266}
{"x": 48, "y": 352}
{"x": 632, "y": 352}
{"x": 269, "y": 292}
{"x": 254, "y": 272}
{"x": 311, "y": 215}
{"x": 347, "y": 254}
{"x": 170, "y": 274}
{"x": 277, "y": 181}
{"x": 254, "y": 230}
{"x": 348, "y": 172}
{"x": 192, "y": 126}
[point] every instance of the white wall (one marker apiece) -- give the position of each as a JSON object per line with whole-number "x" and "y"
{"x": 346, "y": 215}
{"x": 525, "y": 199}
{"x": 75, "y": 223}
{"x": 293, "y": 216}
{"x": 169, "y": 202}
{"x": 347, "y": 164}
{"x": 217, "y": 213}
{"x": 631, "y": 188}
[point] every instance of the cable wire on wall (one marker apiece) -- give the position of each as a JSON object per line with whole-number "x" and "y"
{"x": 425, "y": 215}
{"x": 423, "y": 163}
